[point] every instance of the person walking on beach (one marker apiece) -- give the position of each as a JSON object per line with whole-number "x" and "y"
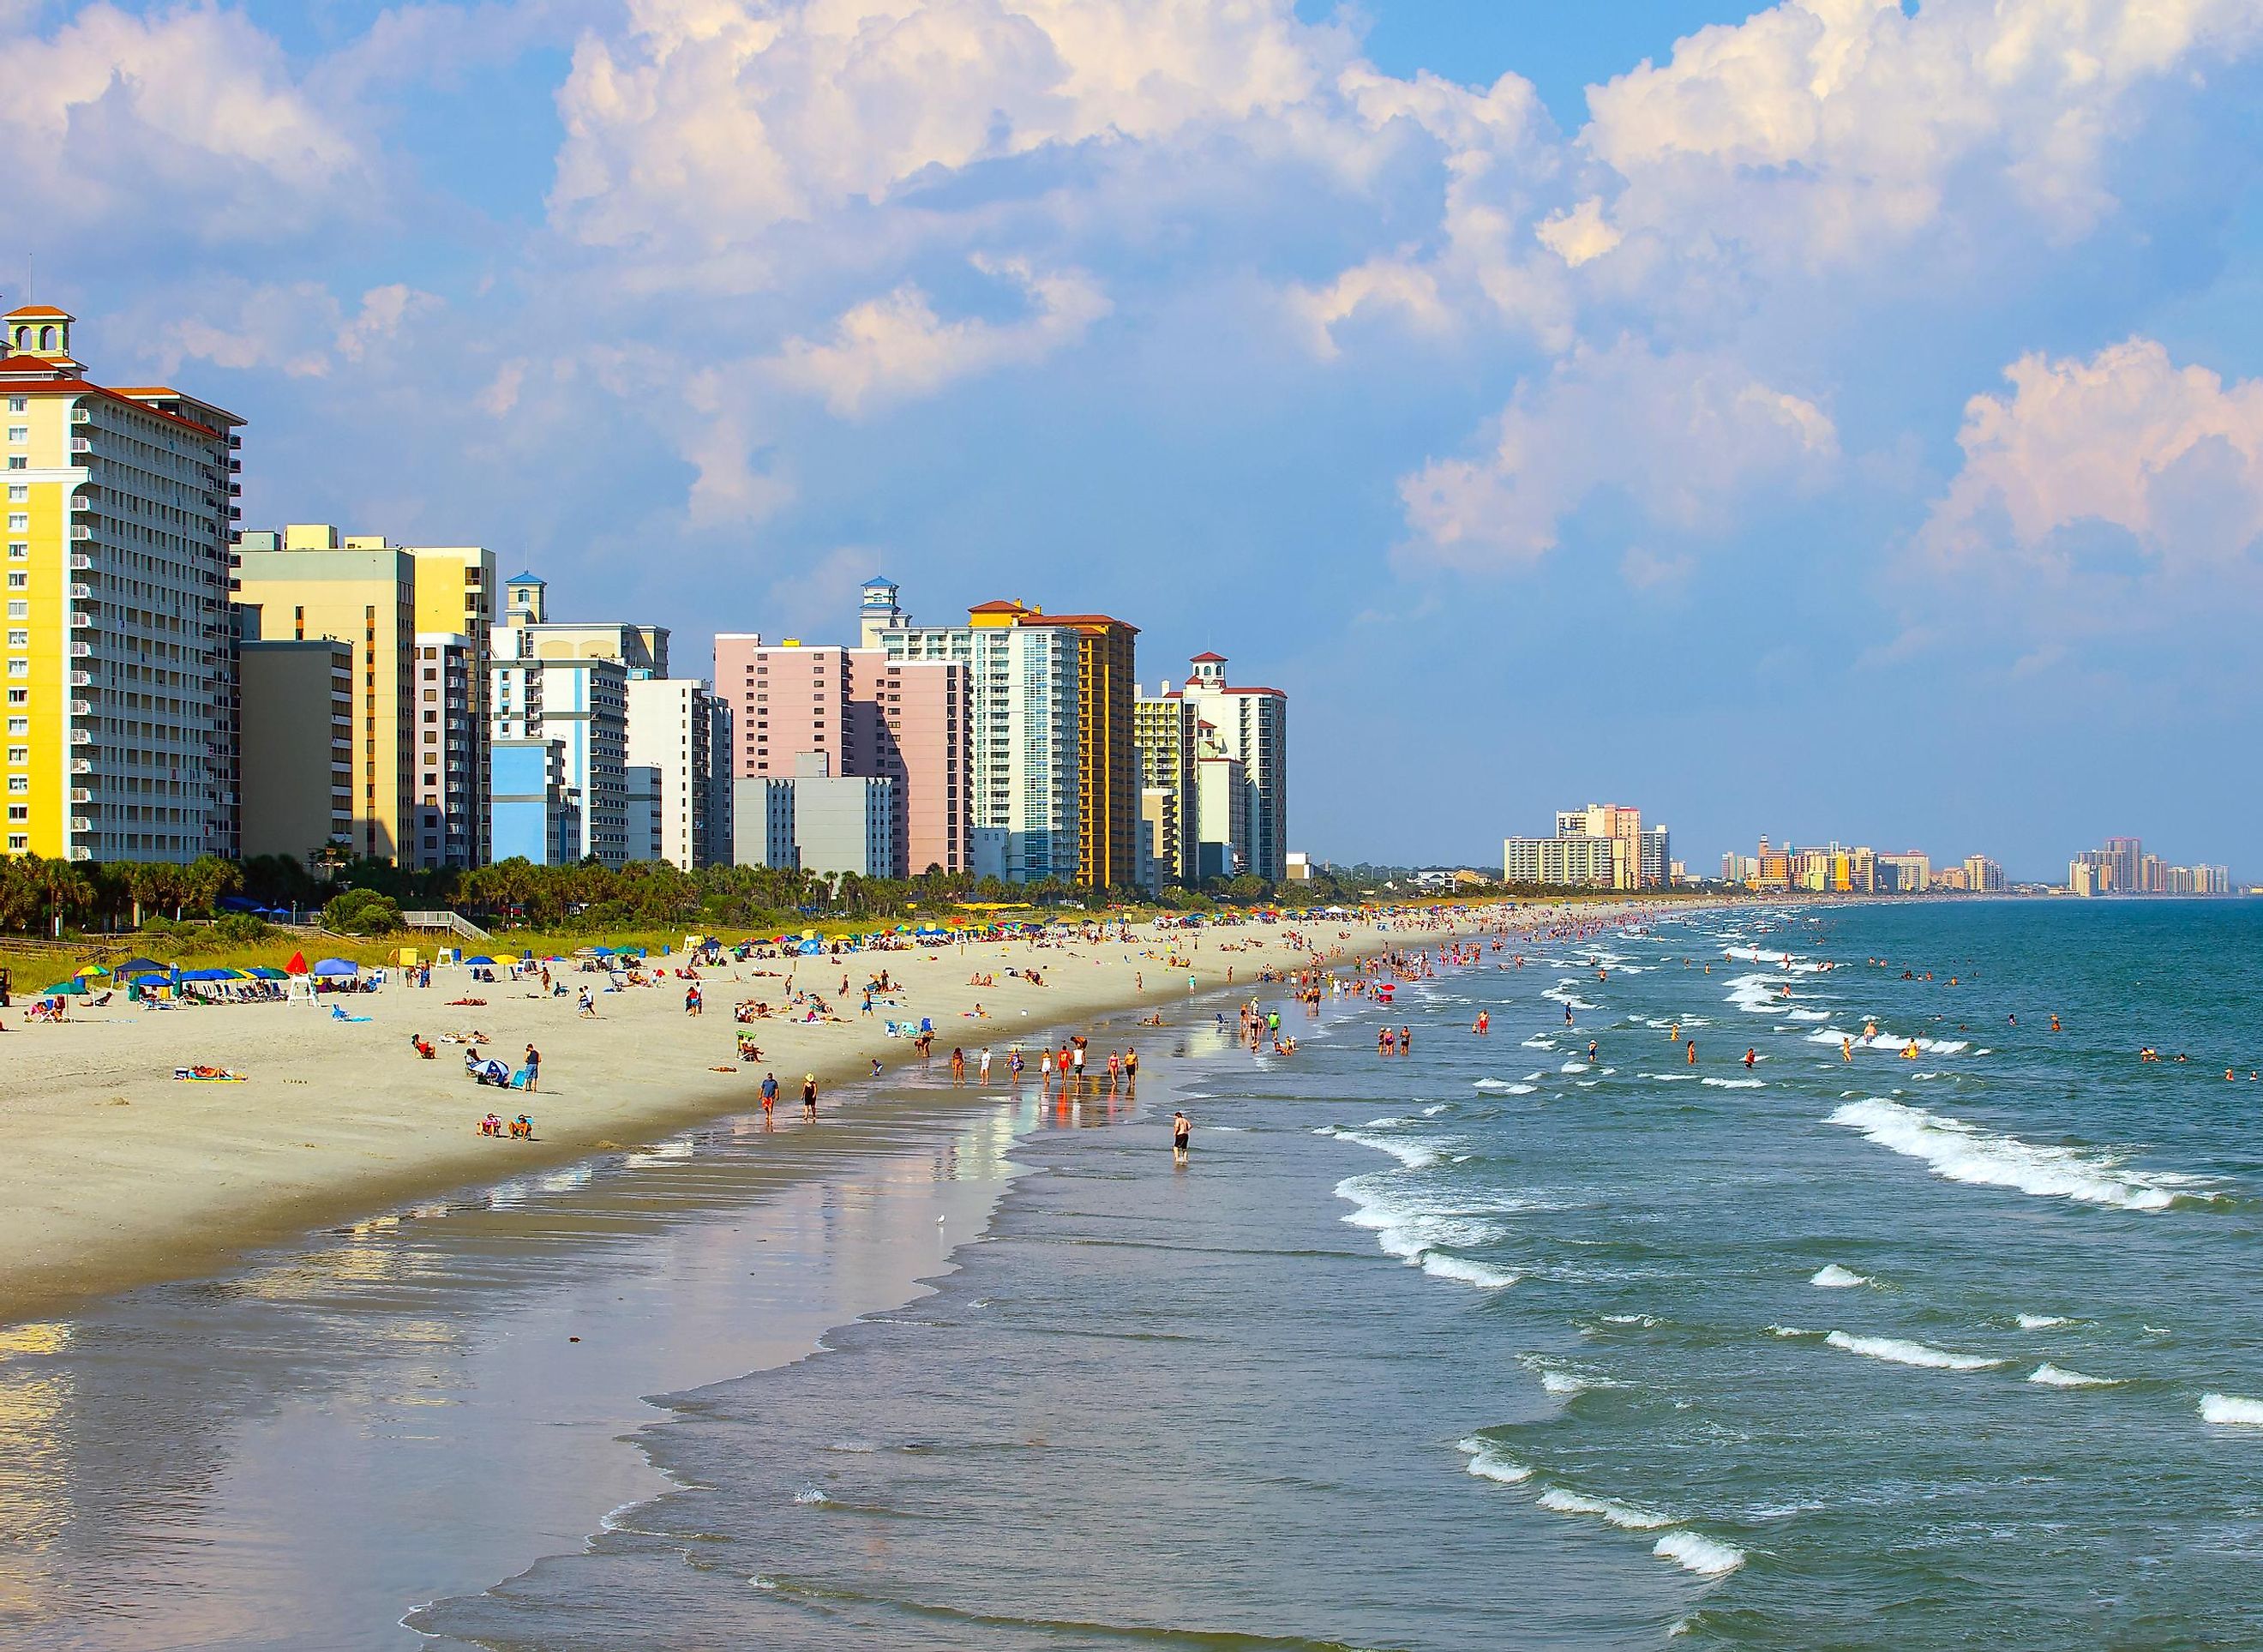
{"x": 770, "y": 1095}
{"x": 533, "y": 1069}
{"x": 958, "y": 1065}
{"x": 986, "y": 1064}
{"x": 809, "y": 1097}
{"x": 1182, "y": 1131}
{"x": 692, "y": 999}
{"x": 587, "y": 1006}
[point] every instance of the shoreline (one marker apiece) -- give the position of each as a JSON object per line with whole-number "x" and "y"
{"x": 116, "y": 1175}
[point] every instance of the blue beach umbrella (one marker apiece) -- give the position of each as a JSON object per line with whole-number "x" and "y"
{"x": 337, "y": 966}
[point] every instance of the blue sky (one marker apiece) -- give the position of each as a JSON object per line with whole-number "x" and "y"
{"x": 1842, "y": 418}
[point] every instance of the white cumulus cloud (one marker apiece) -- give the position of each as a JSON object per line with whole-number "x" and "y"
{"x": 1685, "y": 436}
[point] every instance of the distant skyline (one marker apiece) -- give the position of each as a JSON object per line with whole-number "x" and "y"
{"x": 1840, "y": 418}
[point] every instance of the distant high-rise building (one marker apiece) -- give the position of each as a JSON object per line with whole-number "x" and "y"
{"x": 1578, "y": 860}
{"x": 1656, "y": 871}
{"x": 1983, "y": 876}
{"x": 298, "y": 725}
{"x": 580, "y": 704}
{"x": 1620, "y": 821}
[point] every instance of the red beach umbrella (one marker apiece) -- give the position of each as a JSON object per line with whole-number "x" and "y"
{"x": 296, "y": 966}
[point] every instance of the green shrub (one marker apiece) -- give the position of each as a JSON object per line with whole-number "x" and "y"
{"x": 362, "y": 912}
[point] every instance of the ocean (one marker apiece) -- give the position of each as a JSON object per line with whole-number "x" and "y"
{"x": 1932, "y": 1327}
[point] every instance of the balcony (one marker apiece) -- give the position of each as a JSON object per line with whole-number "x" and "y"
{"x": 81, "y": 593}
{"x": 80, "y": 444}
{"x": 79, "y": 851}
{"x": 81, "y": 621}
{"x": 81, "y": 416}
{"x": 80, "y": 502}
{"x": 82, "y": 737}
{"x": 81, "y": 824}
{"x": 81, "y": 650}
{"x": 80, "y": 530}
{"x": 82, "y": 709}
{"x": 82, "y": 679}
{"x": 80, "y": 794}
{"x": 80, "y": 765}
{"x": 81, "y": 562}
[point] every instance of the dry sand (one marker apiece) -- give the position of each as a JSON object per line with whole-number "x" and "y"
{"x": 113, "y": 1173}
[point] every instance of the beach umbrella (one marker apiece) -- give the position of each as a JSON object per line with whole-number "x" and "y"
{"x": 296, "y": 966}
{"x": 481, "y": 959}
{"x": 268, "y": 972}
{"x": 337, "y": 967}
{"x": 74, "y": 986}
{"x": 208, "y": 974}
{"x": 92, "y": 969}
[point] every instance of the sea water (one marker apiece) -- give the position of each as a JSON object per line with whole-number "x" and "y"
{"x": 1496, "y": 1346}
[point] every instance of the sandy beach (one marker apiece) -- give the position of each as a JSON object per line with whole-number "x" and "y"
{"x": 116, "y": 1173}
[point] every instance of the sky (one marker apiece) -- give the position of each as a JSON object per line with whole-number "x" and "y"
{"x": 1843, "y": 419}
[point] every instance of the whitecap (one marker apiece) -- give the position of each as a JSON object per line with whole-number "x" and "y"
{"x": 2230, "y": 1410}
{"x": 1807, "y": 1015}
{"x": 1737, "y": 1083}
{"x": 1895, "y": 1350}
{"x": 1483, "y": 1275}
{"x": 1693, "y": 1552}
{"x": 1415, "y": 1155}
{"x": 1502, "y": 1086}
{"x": 2042, "y": 1322}
{"x": 2053, "y": 1376}
{"x": 1791, "y": 1330}
{"x": 1625, "y": 1516}
{"x": 1643, "y": 1320}
{"x": 1961, "y": 1152}
{"x": 811, "y": 1493}
{"x": 1486, "y": 1463}
{"x": 1832, "y": 1277}
{"x": 1573, "y": 1066}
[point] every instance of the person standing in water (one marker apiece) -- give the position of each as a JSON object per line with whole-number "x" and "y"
{"x": 1692, "y": 1047}
{"x": 1182, "y": 1130}
{"x": 809, "y": 1097}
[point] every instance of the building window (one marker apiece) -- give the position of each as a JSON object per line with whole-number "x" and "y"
{"x": 19, "y": 432}
{"x": 18, "y": 840}
{"x": 19, "y": 404}
{"x": 19, "y": 783}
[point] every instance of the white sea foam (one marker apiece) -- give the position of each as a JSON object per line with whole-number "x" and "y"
{"x": 2230, "y": 1410}
{"x": 1486, "y": 1463}
{"x": 1483, "y": 1275}
{"x": 1415, "y": 1155}
{"x": 1832, "y": 1277}
{"x": 1435, "y": 1108}
{"x": 1538, "y": 1042}
{"x": 1504, "y": 1087}
{"x": 1807, "y": 1015}
{"x": 1961, "y": 1152}
{"x": 1738, "y": 1083}
{"x": 2053, "y": 1376}
{"x": 811, "y": 1493}
{"x": 1791, "y": 1330}
{"x": 1574, "y": 1066}
{"x": 2042, "y": 1322}
{"x": 1895, "y": 1350}
{"x": 1894, "y": 1042}
{"x": 1625, "y": 1516}
{"x": 1643, "y": 1320}
{"x": 1693, "y": 1552}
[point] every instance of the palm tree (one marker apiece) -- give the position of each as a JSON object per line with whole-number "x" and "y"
{"x": 63, "y": 887}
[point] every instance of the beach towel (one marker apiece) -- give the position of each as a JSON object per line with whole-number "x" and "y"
{"x": 206, "y": 1075}
{"x": 338, "y": 1013}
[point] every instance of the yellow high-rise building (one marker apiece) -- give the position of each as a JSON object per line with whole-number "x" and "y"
{"x": 119, "y": 659}
{"x": 310, "y": 581}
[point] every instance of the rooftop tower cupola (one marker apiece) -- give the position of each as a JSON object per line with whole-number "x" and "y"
{"x": 878, "y": 611}
{"x": 525, "y": 601}
{"x": 1206, "y": 670}
{"x": 38, "y": 330}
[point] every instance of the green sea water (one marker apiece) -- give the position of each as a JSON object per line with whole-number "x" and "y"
{"x": 1492, "y": 1346}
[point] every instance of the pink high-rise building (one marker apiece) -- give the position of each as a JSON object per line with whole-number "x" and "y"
{"x": 868, "y": 717}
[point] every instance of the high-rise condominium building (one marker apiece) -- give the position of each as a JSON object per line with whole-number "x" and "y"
{"x": 298, "y": 715}
{"x": 1575, "y": 861}
{"x": 1251, "y": 725}
{"x": 580, "y": 706}
{"x": 310, "y": 581}
{"x": 1983, "y": 875}
{"x": 1610, "y": 820}
{"x": 1107, "y": 752}
{"x": 1166, "y": 727}
{"x": 1023, "y": 696}
{"x": 681, "y": 732}
{"x": 119, "y": 666}
{"x": 456, "y": 597}
{"x": 871, "y": 716}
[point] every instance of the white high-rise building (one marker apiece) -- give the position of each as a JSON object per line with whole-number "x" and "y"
{"x": 673, "y": 724}
{"x": 1251, "y": 726}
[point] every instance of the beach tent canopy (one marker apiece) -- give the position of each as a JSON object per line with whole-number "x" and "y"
{"x": 337, "y": 967}
{"x": 296, "y": 966}
{"x": 142, "y": 966}
{"x": 483, "y": 958}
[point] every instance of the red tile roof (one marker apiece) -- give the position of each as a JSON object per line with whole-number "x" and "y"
{"x": 1204, "y": 659}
